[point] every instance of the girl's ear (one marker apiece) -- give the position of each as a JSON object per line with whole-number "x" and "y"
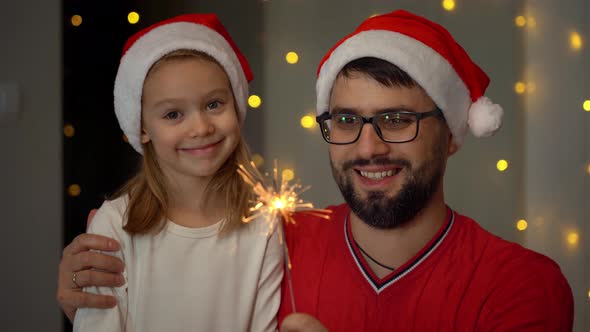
{"x": 145, "y": 137}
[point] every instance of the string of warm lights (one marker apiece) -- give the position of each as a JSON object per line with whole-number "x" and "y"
{"x": 76, "y": 19}
{"x": 574, "y": 39}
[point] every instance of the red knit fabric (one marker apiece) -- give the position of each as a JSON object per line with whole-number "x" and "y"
{"x": 432, "y": 35}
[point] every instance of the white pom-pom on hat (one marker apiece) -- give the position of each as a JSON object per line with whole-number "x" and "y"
{"x": 485, "y": 117}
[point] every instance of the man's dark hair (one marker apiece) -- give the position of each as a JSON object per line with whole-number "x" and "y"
{"x": 381, "y": 71}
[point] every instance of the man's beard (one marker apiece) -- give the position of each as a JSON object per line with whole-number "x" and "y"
{"x": 383, "y": 212}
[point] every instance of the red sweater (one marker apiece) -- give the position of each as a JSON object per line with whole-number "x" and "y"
{"x": 464, "y": 279}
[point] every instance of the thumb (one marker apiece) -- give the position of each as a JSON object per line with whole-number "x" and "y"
{"x": 90, "y": 217}
{"x": 298, "y": 322}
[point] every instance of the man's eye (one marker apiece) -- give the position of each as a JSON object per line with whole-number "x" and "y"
{"x": 396, "y": 121}
{"x": 345, "y": 120}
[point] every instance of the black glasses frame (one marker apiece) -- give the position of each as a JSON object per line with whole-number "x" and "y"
{"x": 419, "y": 116}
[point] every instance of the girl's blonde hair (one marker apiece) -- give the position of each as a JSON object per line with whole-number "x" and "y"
{"x": 148, "y": 199}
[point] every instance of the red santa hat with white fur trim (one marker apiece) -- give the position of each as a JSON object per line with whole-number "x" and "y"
{"x": 429, "y": 54}
{"x": 199, "y": 32}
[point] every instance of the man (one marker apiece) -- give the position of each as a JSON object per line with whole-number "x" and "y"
{"x": 395, "y": 99}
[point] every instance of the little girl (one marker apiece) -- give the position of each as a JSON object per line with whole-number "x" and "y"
{"x": 191, "y": 264}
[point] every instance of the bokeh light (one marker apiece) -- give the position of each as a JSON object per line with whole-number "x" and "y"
{"x": 520, "y": 87}
{"x": 502, "y": 165}
{"x": 69, "y": 130}
{"x": 288, "y": 174}
{"x": 133, "y": 17}
{"x": 576, "y": 42}
{"x": 257, "y": 160}
{"x": 76, "y": 20}
{"x": 292, "y": 58}
{"x": 254, "y": 101}
{"x": 522, "y": 224}
{"x": 573, "y": 238}
{"x": 448, "y": 5}
{"x": 308, "y": 121}
{"x": 74, "y": 190}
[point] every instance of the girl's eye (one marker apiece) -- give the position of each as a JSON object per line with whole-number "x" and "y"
{"x": 172, "y": 115}
{"x": 213, "y": 105}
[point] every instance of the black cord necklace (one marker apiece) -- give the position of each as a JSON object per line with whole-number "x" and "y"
{"x": 373, "y": 259}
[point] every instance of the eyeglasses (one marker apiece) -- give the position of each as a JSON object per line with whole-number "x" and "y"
{"x": 391, "y": 127}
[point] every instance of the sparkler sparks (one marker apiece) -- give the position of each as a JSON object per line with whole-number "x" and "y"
{"x": 278, "y": 201}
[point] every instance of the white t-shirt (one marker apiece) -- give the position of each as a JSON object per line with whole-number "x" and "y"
{"x": 189, "y": 279}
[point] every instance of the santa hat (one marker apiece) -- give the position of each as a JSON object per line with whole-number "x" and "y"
{"x": 200, "y": 32}
{"x": 430, "y": 55}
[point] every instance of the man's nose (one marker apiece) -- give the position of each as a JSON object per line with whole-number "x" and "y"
{"x": 370, "y": 144}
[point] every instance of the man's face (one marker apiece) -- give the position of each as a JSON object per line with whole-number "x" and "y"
{"x": 387, "y": 184}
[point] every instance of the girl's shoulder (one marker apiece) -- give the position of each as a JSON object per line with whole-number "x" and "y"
{"x": 109, "y": 218}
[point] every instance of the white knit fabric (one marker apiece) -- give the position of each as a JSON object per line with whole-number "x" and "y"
{"x": 189, "y": 279}
{"x": 154, "y": 45}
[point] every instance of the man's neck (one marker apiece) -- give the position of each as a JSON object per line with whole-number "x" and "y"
{"x": 394, "y": 247}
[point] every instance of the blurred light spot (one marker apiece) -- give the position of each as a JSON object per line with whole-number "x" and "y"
{"x": 76, "y": 20}
{"x": 292, "y": 58}
{"x": 308, "y": 121}
{"x": 520, "y": 21}
{"x": 531, "y": 87}
{"x": 573, "y": 238}
{"x": 520, "y": 87}
{"x": 575, "y": 41}
{"x": 257, "y": 160}
{"x": 69, "y": 130}
{"x": 254, "y": 101}
{"x": 502, "y": 165}
{"x": 521, "y": 225}
{"x": 589, "y": 294}
{"x": 374, "y": 15}
{"x": 288, "y": 174}
{"x": 448, "y": 5}
{"x": 125, "y": 139}
{"x": 133, "y": 17}
{"x": 586, "y": 105}
{"x": 531, "y": 23}
{"x": 74, "y": 190}
{"x": 588, "y": 169}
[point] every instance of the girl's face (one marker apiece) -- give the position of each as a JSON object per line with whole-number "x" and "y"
{"x": 188, "y": 114}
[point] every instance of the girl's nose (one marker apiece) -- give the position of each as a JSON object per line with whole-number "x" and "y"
{"x": 200, "y": 125}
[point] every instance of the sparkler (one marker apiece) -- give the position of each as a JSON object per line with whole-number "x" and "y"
{"x": 278, "y": 201}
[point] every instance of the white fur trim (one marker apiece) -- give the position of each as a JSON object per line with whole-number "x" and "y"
{"x": 427, "y": 67}
{"x": 153, "y": 46}
{"x": 485, "y": 117}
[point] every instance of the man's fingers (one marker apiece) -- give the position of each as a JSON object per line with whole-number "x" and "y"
{"x": 78, "y": 299}
{"x": 96, "y": 260}
{"x": 85, "y": 242}
{"x": 88, "y": 278}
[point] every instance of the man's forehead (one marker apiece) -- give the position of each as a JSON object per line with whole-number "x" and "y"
{"x": 365, "y": 95}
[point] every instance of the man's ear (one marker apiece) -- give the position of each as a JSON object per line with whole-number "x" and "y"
{"x": 452, "y": 146}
